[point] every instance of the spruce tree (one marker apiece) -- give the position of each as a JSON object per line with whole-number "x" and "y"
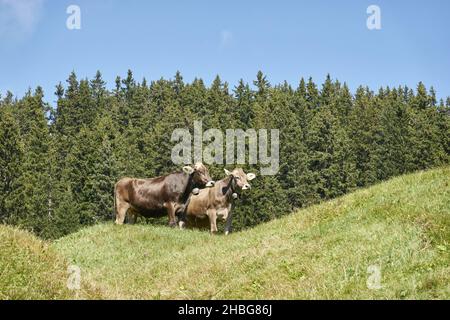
{"x": 11, "y": 157}
{"x": 29, "y": 204}
{"x": 361, "y": 130}
{"x": 243, "y": 110}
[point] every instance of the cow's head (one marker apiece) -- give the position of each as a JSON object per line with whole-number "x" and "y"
{"x": 200, "y": 175}
{"x": 241, "y": 179}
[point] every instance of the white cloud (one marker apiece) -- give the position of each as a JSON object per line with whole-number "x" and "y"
{"x": 19, "y": 18}
{"x": 226, "y": 38}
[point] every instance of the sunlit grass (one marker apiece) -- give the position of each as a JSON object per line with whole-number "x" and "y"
{"x": 31, "y": 269}
{"x": 322, "y": 252}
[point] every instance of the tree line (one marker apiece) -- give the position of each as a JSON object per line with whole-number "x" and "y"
{"x": 58, "y": 165}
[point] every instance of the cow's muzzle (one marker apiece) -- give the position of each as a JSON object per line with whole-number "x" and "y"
{"x": 210, "y": 184}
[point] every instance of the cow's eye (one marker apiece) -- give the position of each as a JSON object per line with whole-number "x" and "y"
{"x": 237, "y": 178}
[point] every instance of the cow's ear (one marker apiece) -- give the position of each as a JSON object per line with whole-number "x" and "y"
{"x": 251, "y": 176}
{"x": 228, "y": 173}
{"x": 188, "y": 169}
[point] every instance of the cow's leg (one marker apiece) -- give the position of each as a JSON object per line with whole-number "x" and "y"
{"x": 171, "y": 213}
{"x": 122, "y": 208}
{"x": 228, "y": 223}
{"x": 212, "y": 215}
{"x": 131, "y": 216}
{"x": 179, "y": 216}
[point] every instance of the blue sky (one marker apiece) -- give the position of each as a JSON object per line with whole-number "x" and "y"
{"x": 287, "y": 40}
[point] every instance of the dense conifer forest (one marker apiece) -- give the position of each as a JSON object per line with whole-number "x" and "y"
{"x": 58, "y": 164}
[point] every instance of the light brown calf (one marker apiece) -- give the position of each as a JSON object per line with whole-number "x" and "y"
{"x": 212, "y": 203}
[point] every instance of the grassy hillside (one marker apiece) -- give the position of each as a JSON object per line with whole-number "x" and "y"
{"x": 401, "y": 226}
{"x": 31, "y": 269}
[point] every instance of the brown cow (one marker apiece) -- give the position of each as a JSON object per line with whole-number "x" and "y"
{"x": 159, "y": 196}
{"x": 216, "y": 201}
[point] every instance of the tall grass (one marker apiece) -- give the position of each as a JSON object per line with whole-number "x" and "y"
{"x": 31, "y": 269}
{"x": 400, "y": 229}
